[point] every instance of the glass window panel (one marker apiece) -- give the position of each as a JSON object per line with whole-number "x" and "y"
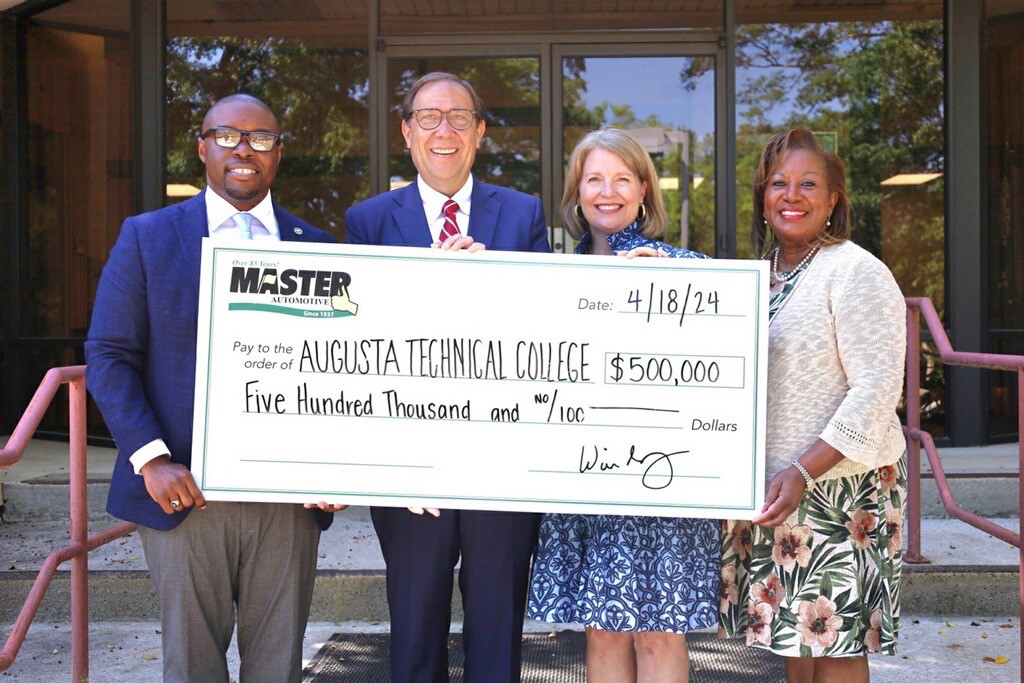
{"x": 1003, "y": 391}
{"x": 483, "y": 16}
{"x": 36, "y": 359}
{"x": 672, "y": 116}
{"x": 510, "y": 89}
{"x": 868, "y": 78}
{"x": 79, "y": 171}
{"x": 317, "y": 84}
{"x": 1005, "y": 72}
{"x": 79, "y": 182}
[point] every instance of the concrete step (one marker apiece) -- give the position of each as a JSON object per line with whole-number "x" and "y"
{"x": 970, "y": 573}
{"x": 345, "y": 595}
{"x": 983, "y": 480}
{"x": 930, "y": 649}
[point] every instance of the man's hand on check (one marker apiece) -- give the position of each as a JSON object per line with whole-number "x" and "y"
{"x": 420, "y": 511}
{"x": 459, "y": 242}
{"x": 326, "y": 507}
{"x": 171, "y": 485}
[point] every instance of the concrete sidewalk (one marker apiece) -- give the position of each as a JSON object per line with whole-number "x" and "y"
{"x": 930, "y": 649}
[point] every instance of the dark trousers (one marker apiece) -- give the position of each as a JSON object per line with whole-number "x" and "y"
{"x": 420, "y": 552}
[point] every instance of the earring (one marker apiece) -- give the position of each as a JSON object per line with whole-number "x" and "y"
{"x": 769, "y": 240}
{"x": 641, "y": 214}
{"x": 579, "y": 212}
{"x": 828, "y": 223}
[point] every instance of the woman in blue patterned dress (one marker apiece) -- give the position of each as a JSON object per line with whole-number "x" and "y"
{"x": 637, "y": 584}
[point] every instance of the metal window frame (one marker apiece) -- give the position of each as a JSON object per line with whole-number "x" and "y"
{"x": 967, "y": 414}
{"x": 149, "y": 77}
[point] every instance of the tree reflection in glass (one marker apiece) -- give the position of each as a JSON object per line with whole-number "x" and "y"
{"x": 672, "y": 116}
{"x": 319, "y": 90}
{"x": 510, "y": 88}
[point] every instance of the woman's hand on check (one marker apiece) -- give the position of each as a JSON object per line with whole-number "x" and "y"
{"x": 419, "y": 511}
{"x": 459, "y": 243}
{"x": 783, "y": 497}
{"x": 643, "y": 251}
{"x": 326, "y": 507}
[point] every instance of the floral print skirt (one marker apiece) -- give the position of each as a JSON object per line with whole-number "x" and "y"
{"x": 826, "y": 582}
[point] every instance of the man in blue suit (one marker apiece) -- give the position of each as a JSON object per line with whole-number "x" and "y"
{"x": 442, "y": 124}
{"x": 257, "y": 557}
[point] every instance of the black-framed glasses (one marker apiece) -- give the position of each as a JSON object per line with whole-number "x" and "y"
{"x": 259, "y": 140}
{"x": 459, "y": 119}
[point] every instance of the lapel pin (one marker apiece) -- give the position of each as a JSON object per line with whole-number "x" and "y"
{"x": 298, "y": 231}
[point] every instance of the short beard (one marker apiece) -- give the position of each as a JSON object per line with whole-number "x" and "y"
{"x": 242, "y": 195}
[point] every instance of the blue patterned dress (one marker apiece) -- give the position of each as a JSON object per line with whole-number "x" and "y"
{"x": 620, "y": 573}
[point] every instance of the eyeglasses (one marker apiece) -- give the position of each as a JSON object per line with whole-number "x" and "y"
{"x": 259, "y": 140}
{"x": 459, "y": 119}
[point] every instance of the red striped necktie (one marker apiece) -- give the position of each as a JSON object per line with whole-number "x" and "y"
{"x": 451, "y": 227}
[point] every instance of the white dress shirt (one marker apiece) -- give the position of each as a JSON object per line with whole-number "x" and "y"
{"x": 433, "y": 201}
{"x": 220, "y": 225}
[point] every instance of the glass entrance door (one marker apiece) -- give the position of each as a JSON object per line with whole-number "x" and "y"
{"x": 542, "y": 97}
{"x": 664, "y": 96}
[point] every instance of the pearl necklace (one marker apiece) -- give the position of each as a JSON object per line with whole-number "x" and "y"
{"x": 786, "y": 277}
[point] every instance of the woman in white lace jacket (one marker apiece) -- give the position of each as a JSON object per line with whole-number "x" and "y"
{"x": 816, "y": 576}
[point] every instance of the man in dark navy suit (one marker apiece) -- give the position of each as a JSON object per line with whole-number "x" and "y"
{"x": 442, "y": 122}
{"x": 257, "y": 557}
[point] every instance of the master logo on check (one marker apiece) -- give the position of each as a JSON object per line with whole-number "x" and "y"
{"x": 299, "y": 292}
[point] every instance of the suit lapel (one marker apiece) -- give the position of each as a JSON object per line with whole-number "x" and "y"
{"x": 190, "y": 225}
{"x": 288, "y": 228}
{"x": 409, "y": 217}
{"x": 484, "y": 209}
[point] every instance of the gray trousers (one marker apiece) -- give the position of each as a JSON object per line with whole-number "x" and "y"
{"x": 260, "y": 557}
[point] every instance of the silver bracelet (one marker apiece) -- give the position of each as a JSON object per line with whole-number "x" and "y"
{"x": 807, "y": 477}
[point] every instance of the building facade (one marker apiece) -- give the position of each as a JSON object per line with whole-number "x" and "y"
{"x": 101, "y": 102}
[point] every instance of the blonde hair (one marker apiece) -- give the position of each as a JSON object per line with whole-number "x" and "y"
{"x": 636, "y": 159}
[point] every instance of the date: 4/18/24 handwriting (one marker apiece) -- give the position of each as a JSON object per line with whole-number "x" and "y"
{"x": 671, "y": 302}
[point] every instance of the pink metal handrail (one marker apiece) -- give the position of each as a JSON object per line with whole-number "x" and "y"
{"x": 917, "y": 307}
{"x": 81, "y": 542}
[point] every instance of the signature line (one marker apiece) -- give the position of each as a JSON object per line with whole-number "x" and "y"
{"x": 655, "y": 410}
{"x": 343, "y": 464}
{"x": 626, "y": 474}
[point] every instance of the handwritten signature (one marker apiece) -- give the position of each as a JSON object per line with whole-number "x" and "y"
{"x": 659, "y": 464}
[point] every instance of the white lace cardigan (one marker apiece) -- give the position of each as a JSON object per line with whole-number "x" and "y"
{"x": 836, "y": 355}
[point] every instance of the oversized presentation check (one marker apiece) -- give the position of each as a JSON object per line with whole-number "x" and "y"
{"x": 489, "y": 381}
